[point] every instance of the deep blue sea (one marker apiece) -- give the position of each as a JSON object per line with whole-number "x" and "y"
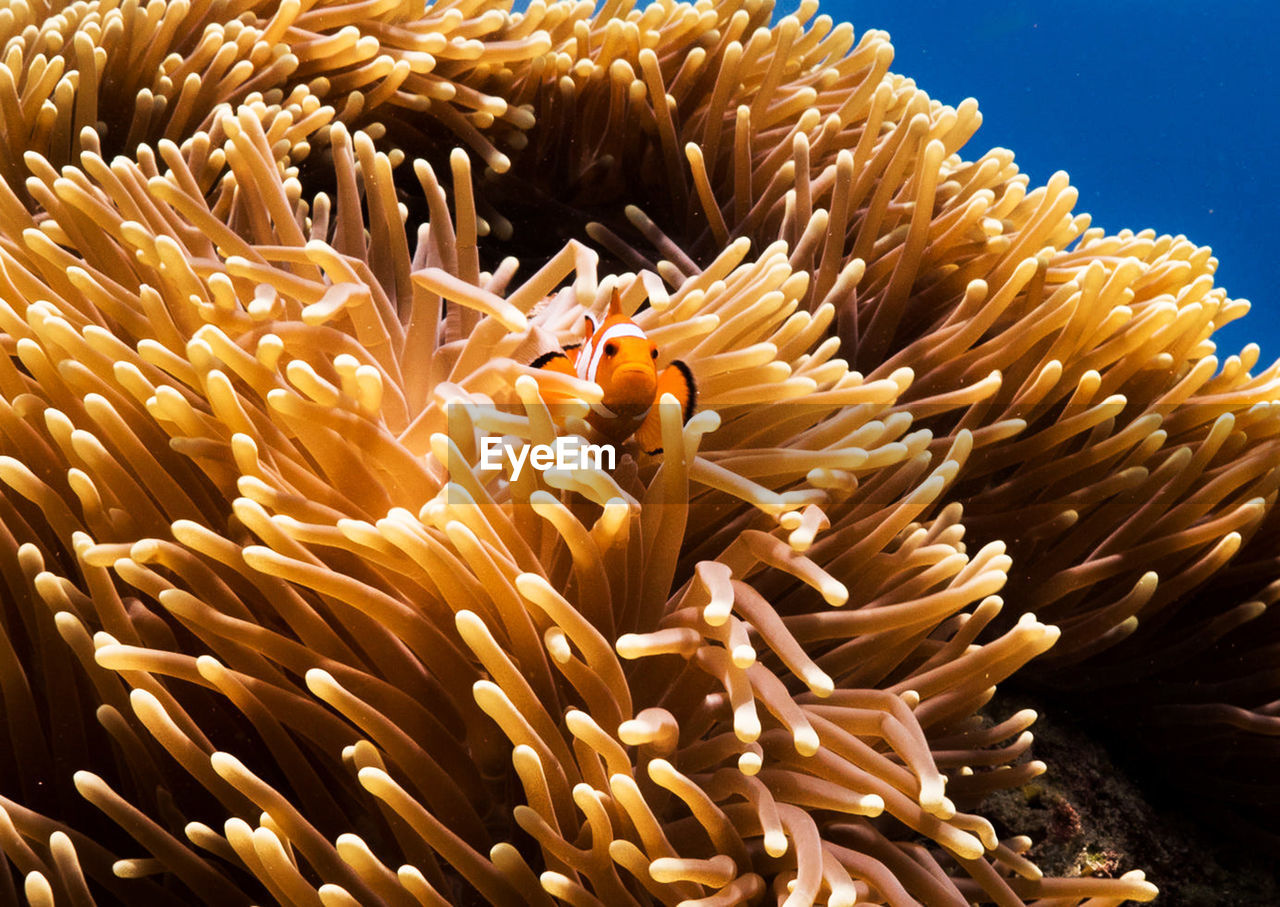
{"x": 1165, "y": 115}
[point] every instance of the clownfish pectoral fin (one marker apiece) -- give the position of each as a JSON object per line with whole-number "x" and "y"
{"x": 677, "y": 380}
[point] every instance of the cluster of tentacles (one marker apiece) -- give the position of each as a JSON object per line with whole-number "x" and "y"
{"x": 269, "y": 271}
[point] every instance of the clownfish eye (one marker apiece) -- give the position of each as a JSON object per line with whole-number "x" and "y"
{"x": 610, "y": 349}
{"x": 653, "y": 353}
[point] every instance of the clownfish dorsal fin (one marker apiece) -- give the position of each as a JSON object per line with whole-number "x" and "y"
{"x": 615, "y": 304}
{"x": 590, "y": 330}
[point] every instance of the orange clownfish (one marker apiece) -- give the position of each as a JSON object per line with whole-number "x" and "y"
{"x": 620, "y": 357}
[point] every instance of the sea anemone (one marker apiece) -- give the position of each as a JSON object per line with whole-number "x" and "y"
{"x": 271, "y": 632}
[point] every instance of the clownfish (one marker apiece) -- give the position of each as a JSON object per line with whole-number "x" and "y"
{"x": 620, "y": 357}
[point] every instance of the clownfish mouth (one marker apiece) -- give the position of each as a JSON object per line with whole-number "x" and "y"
{"x": 630, "y": 372}
{"x": 631, "y": 389}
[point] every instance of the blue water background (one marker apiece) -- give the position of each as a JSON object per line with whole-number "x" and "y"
{"x": 1165, "y": 114}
